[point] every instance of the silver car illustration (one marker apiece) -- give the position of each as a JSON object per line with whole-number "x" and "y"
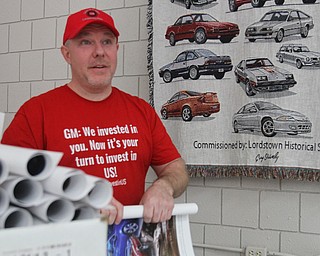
{"x": 188, "y": 3}
{"x": 235, "y": 4}
{"x": 298, "y": 54}
{"x": 260, "y": 75}
{"x": 278, "y": 24}
{"x": 270, "y": 119}
{"x": 194, "y": 63}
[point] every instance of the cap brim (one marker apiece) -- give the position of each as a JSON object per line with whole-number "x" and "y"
{"x": 77, "y": 30}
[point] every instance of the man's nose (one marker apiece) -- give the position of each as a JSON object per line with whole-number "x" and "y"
{"x": 98, "y": 50}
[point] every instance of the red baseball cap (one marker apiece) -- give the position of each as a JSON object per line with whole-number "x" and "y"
{"x": 79, "y": 20}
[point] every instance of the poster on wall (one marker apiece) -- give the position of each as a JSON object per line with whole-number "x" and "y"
{"x": 236, "y": 84}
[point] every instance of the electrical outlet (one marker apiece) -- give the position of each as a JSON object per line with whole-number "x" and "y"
{"x": 256, "y": 251}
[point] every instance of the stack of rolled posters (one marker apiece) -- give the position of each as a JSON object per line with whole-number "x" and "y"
{"x": 34, "y": 189}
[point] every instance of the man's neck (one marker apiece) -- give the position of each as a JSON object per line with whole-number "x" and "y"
{"x": 92, "y": 95}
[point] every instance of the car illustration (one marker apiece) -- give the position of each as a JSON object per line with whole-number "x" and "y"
{"x": 198, "y": 27}
{"x": 260, "y": 75}
{"x": 188, "y": 3}
{"x": 270, "y": 119}
{"x": 278, "y": 24}
{"x": 235, "y": 4}
{"x": 187, "y": 104}
{"x": 121, "y": 240}
{"x": 194, "y": 63}
{"x": 298, "y": 54}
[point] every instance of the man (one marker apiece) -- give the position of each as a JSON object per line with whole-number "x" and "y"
{"x": 100, "y": 129}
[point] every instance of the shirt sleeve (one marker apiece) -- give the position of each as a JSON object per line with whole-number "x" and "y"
{"x": 164, "y": 150}
{"x": 21, "y": 133}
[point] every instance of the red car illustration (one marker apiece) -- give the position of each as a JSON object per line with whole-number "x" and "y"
{"x": 235, "y": 4}
{"x": 198, "y": 27}
{"x": 188, "y": 104}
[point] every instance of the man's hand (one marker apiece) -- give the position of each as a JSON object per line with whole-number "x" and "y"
{"x": 157, "y": 202}
{"x": 113, "y": 213}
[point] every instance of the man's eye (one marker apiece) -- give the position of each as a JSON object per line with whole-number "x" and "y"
{"x": 85, "y": 42}
{"x": 107, "y": 41}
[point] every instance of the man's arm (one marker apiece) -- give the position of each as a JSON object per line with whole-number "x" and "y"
{"x": 158, "y": 200}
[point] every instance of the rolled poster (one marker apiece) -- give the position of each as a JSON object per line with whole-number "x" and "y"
{"x": 53, "y": 209}
{"x": 67, "y": 182}
{"x": 84, "y": 211}
{"x": 4, "y": 170}
{"x": 15, "y": 217}
{"x": 23, "y": 192}
{"x": 100, "y": 192}
{"x": 4, "y": 201}
{"x": 32, "y": 163}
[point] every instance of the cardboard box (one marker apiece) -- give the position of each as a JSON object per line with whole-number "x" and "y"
{"x": 77, "y": 238}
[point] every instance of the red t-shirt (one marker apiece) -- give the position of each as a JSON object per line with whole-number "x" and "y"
{"x": 117, "y": 138}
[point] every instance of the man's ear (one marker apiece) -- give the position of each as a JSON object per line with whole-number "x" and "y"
{"x": 65, "y": 53}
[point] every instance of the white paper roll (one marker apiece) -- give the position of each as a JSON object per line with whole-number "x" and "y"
{"x": 136, "y": 211}
{"x": 37, "y": 221}
{"x": 4, "y": 201}
{"x": 100, "y": 192}
{"x": 32, "y": 163}
{"x": 53, "y": 209}
{"x": 22, "y": 191}
{"x": 4, "y": 170}
{"x": 67, "y": 182}
{"x": 84, "y": 211}
{"x": 15, "y": 217}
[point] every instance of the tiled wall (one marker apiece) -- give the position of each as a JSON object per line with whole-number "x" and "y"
{"x": 235, "y": 212}
{"x": 238, "y": 212}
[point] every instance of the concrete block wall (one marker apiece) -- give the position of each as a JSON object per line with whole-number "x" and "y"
{"x": 31, "y": 36}
{"x": 239, "y": 212}
{"x": 233, "y": 212}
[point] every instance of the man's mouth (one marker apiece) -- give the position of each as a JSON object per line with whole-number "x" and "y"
{"x": 99, "y": 66}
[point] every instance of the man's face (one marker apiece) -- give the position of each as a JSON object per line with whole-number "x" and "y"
{"x": 92, "y": 55}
